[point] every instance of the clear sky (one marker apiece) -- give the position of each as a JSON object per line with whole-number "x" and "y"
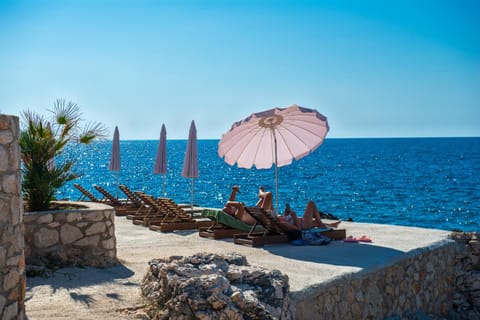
{"x": 374, "y": 68}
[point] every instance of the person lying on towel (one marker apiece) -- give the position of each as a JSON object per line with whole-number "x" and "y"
{"x": 311, "y": 218}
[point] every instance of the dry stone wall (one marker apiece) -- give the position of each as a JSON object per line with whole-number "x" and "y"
{"x": 441, "y": 282}
{"x": 83, "y": 236}
{"x": 466, "y": 299}
{"x": 12, "y": 261}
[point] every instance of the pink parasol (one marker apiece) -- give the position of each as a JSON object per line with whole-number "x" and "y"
{"x": 190, "y": 164}
{"x": 161, "y": 160}
{"x": 273, "y": 137}
{"x": 115, "y": 157}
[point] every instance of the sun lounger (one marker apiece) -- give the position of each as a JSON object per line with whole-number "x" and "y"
{"x": 225, "y": 226}
{"x": 156, "y": 213}
{"x": 176, "y": 218}
{"x": 86, "y": 194}
{"x": 140, "y": 207}
{"x": 131, "y": 195}
{"x": 122, "y": 207}
{"x": 273, "y": 233}
{"x": 109, "y": 197}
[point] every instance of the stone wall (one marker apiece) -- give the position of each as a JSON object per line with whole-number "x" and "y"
{"x": 12, "y": 261}
{"x": 466, "y": 299}
{"x": 421, "y": 282}
{"x": 80, "y": 236}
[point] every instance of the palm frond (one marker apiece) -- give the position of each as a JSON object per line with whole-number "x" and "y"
{"x": 92, "y": 131}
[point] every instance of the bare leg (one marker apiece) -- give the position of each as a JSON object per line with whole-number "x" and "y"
{"x": 267, "y": 201}
{"x": 241, "y": 214}
{"x": 233, "y": 195}
{"x": 311, "y": 218}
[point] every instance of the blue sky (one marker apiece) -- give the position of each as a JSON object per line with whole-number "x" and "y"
{"x": 374, "y": 68}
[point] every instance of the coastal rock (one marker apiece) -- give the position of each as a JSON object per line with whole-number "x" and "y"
{"x": 211, "y": 286}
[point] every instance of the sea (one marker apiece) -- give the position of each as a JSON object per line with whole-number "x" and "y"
{"x": 422, "y": 182}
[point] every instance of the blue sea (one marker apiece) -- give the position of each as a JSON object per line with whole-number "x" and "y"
{"x": 424, "y": 182}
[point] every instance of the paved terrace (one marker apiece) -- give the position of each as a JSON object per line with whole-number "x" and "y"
{"x": 81, "y": 293}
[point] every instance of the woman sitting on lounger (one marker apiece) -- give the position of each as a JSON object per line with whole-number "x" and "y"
{"x": 311, "y": 218}
{"x": 237, "y": 209}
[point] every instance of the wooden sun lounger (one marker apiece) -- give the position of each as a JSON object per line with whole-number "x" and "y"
{"x": 177, "y": 219}
{"x": 86, "y": 194}
{"x": 122, "y": 207}
{"x": 175, "y": 226}
{"x": 157, "y": 213}
{"x": 225, "y": 225}
{"x": 273, "y": 233}
{"x": 141, "y": 208}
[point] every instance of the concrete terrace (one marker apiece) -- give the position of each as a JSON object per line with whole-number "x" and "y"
{"x": 77, "y": 293}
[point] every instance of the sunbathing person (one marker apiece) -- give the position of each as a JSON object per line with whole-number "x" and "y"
{"x": 237, "y": 209}
{"x": 311, "y": 218}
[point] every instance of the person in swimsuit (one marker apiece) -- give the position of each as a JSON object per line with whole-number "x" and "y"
{"x": 311, "y": 218}
{"x": 237, "y": 209}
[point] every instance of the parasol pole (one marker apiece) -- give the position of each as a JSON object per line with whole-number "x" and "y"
{"x": 276, "y": 174}
{"x": 164, "y": 182}
{"x": 116, "y": 191}
{"x": 192, "y": 192}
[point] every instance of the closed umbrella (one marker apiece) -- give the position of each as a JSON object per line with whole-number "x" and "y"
{"x": 161, "y": 159}
{"x": 115, "y": 157}
{"x": 273, "y": 137}
{"x": 190, "y": 164}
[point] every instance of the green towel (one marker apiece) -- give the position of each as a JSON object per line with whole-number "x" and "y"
{"x": 224, "y": 218}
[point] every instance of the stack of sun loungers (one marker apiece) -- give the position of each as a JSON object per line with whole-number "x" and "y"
{"x": 161, "y": 214}
{"x": 175, "y": 218}
{"x": 122, "y": 207}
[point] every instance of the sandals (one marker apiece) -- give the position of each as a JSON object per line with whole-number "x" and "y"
{"x": 364, "y": 239}
{"x": 352, "y": 239}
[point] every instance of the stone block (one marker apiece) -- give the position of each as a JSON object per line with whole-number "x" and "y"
{"x": 9, "y": 184}
{"x": 69, "y": 234}
{"x": 44, "y": 218}
{"x": 108, "y": 244}
{"x": 11, "y": 311}
{"x": 4, "y": 161}
{"x": 3, "y": 300}
{"x": 54, "y": 225}
{"x": 11, "y": 280}
{"x": 45, "y": 238}
{"x": 3, "y": 257}
{"x": 98, "y": 227}
{"x": 93, "y": 216}
{"x": 91, "y": 241}
{"x": 74, "y": 216}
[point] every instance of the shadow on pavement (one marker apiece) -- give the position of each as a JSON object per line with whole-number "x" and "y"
{"x": 70, "y": 278}
{"x": 338, "y": 253}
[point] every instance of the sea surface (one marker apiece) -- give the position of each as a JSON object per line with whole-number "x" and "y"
{"x": 424, "y": 182}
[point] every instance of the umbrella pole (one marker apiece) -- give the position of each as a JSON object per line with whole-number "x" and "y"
{"x": 276, "y": 175}
{"x": 116, "y": 191}
{"x": 193, "y": 179}
{"x": 163, "y": 189}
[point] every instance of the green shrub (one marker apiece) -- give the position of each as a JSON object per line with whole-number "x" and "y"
{"x": 41, "y": 141}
